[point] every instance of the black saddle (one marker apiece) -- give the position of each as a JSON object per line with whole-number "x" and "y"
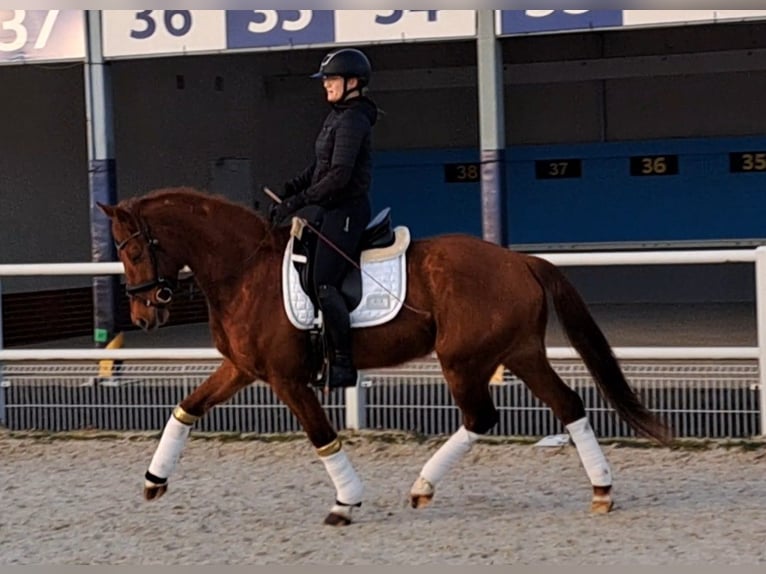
{"x": 378, "y": 233}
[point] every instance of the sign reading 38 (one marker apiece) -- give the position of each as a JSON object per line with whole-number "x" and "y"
{"x": 41, "y": 35}
{"x": 140, "y": 32}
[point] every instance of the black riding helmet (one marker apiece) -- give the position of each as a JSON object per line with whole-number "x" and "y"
{"x": 346, "y": 63}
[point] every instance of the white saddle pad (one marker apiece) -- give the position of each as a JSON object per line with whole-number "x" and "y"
{"x": 384, "y": 286}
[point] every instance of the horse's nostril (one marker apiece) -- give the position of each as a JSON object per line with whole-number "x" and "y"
{"x": 142, "y": 324}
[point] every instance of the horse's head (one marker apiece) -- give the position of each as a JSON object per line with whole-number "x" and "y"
{"x": 151, "y": 273}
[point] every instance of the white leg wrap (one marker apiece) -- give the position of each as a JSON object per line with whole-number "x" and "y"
{"x": 349, "y": 488}
{"x": 169, "y": 450}
{"x": 590, "y": 452}
{"x": 448, "y": 454}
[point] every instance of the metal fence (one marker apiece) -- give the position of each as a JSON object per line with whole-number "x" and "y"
{"x": 714, "y": 399}
{"x": 708, "y": 392}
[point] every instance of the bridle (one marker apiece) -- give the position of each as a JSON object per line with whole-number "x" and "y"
{"x": 163, "y": 287}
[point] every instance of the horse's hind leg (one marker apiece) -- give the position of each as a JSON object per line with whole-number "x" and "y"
{"x": 304, "y": 404}
{"x": 217, "y": 388}
{"x": 469, "y": 385}
{"x": 531, "y": 365}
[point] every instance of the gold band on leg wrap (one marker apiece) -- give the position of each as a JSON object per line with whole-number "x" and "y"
{"x": 330, "y": 449}
{"x": 183, "y": 417}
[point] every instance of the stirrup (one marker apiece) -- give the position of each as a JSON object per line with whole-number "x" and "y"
{"x": 340, "y": 376}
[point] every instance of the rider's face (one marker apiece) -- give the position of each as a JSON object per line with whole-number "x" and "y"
{"x": 333, "y": 87}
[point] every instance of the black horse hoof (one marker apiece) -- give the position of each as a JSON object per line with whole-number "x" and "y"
{"x": 337, "y": 520}
{"x": 154, "y": 492}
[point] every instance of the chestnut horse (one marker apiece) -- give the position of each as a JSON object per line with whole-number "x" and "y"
{"x": 476, "y": 304}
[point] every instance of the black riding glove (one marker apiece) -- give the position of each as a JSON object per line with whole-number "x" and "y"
{"x": 288, "y": 190}
{"x": 281, "y": 211}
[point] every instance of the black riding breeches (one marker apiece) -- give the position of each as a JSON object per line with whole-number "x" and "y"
{"x": 343, "y": 227}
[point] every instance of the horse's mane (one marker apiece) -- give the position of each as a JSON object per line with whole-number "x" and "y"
{"x": 197, "y": 201}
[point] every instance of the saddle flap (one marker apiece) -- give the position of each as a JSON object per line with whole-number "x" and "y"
{"x": 381, "y": 286}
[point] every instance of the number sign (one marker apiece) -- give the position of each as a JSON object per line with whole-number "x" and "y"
{"x": 144, "y": 32}
{"x": 747, "y": 162}
{"x": 558, "y": 168}
{"x": 372, "y": 25}
{"x": 462, "y": 172}
{"x": 527, "y": 21}
{"x": 141, "y": 32}
{"x": 654, "y": 165}
{"x": 263, "y": 28}
{"x": 41, "y": 35}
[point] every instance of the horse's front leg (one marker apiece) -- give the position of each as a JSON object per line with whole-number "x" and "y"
{"x": 304, "y": 404}
{"x": 217, "y": 388}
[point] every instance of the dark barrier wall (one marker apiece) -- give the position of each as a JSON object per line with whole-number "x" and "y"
{"x": 44, "y": 207}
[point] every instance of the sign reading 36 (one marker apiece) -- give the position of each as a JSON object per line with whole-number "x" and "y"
{"x": 144, "y": 32}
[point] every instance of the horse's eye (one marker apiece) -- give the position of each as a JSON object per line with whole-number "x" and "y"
{"x": 135, "y": 259}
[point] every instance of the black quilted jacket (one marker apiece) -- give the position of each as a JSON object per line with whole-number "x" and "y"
{"x": 343, "y": 164}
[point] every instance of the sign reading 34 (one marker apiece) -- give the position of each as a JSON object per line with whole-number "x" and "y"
{"x": 378, "y": 25}
{"x": 41, "y": 35}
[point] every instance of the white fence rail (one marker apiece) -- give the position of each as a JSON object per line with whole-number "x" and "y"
{"x": 756, "y": 256}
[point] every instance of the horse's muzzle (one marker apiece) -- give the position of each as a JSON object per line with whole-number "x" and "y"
{"x": 153, "y": 320}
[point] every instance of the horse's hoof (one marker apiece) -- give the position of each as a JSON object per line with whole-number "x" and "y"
{"x": 602, "y": 502}
{"x": 420, "y": 500}
{"x": 601, "y": 506}
{"x": 154, "y": 491}
{"x": 421, "y": 493}
{"x": 334, "y": 519}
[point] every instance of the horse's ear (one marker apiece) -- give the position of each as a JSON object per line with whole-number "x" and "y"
{"x": 109, "y": 210}
{"x": 115, "y": 212}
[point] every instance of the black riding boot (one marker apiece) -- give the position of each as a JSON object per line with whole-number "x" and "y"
{"x": 337, "y": 327}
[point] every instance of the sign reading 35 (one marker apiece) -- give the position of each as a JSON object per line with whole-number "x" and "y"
{"x": 264, "y": 28}
{"x": 137, "y": 32}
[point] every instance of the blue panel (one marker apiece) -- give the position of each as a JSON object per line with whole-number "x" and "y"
{"x": 703, "y": 202}
{"x": 526, "y": 21}
{"x": 103, "y": 189}
{"x": 412, "y": 184}
{"x": 265, "y": 28}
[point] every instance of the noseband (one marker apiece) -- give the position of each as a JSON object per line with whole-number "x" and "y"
{"x": 163, "y": 287}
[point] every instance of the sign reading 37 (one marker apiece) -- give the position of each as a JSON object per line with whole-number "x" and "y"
{"x": 41, "y": 35}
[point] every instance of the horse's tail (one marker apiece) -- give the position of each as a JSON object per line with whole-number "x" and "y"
{"x": 589, "y": 341}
